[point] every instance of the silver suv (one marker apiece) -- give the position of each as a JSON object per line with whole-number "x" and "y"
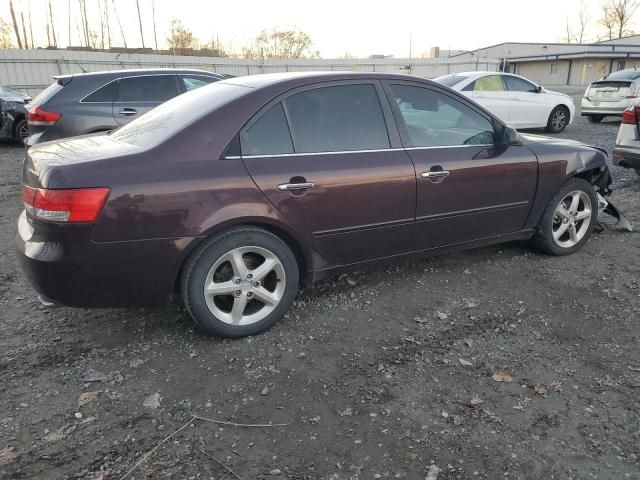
{"x": 100, "y": 101}
{"x": 611, "y": 95}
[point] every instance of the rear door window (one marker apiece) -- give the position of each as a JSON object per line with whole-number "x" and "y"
{"x": 149, "y": 88}
{"x": 269, "y": 135}
{"x": 490, "y": 83}
{"x": 191, "y": 82}
{"x": 105, "y": 94}
{"x": 337, "y": 118}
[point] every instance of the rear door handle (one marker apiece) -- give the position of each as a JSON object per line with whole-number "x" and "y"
{"x": 294, "y": 187}
{"x": 127, "y": 112}
{"x": 435, "y": 174}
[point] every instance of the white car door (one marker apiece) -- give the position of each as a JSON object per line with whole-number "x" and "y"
{"x": 491, "y": 92}
{"x": 529, "y": 106}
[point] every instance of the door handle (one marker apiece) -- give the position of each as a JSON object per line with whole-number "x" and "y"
{"x": 435, "y": 174}
{"x": 294, "y": 187}
{"x": 127, "y": 112}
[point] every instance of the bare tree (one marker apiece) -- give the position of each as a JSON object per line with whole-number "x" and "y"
{"x": 140, "y": 21}
{"x": 5, "y": 35}
{"x": 281, "y": 44}
{"x": 24, "y": 31}
{"x": 53, "y": 29}
{"x": 16, "y": 30}
{"x": 153, "y": 14}
{"x": 575, "y": 32}
{"x": 616, "y": 17}
{"x": 181, "y": 37}
{"x": 115, "y": 9}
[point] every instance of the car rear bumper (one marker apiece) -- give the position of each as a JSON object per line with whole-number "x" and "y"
{"x": 67, "y": 267}
{"x": 596, "y": 107}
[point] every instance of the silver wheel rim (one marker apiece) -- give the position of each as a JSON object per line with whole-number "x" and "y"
{"x": 244, "y": 285}
{"x": 559, "y": 120}
{"x": 23, "y": 132}
{"x": 571, "y": 219}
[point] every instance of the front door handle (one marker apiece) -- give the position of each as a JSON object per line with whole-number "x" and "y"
{"x": 295, "y": 187}
{"x": 127, "y": 112}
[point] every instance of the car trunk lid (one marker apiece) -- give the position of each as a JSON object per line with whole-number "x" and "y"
{"x": 609, "y": 91}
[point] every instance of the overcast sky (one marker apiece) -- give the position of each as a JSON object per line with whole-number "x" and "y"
{"x": 336, "y": 27}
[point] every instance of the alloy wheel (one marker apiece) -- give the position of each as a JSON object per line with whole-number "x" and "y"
{"x": 571, "y": 219}
{"x": 23, "y": 132}
{"x": 559, "y": 120}
{"x": 244, "y": 285}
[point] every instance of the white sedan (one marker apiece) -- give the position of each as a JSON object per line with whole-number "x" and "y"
{"x": 517, "y": 101}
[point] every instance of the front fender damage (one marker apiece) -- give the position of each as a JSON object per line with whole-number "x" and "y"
{"x": 602, "y": 183}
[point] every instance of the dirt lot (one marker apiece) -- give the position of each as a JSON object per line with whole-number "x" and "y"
{"x": 495, "y": 363}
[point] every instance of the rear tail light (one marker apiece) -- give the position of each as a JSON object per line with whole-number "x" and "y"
{"x": 633, "y": 91}
{"x": 37, "y": 116}
{"x": 587, "y": 91}
{"x": 68, "y": 206}
{"x": 631, "y": 115}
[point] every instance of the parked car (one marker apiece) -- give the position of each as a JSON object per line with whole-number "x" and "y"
{"x": 517, "y": 101}
{"x": 611, "y": 95}
{"x": 101, "y": 101}
{"x": 232, "y": 195}
{"x": 627, "y": 150}
{"x": 13, "y": 125}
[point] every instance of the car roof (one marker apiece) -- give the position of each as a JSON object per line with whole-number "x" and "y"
{"x": 302, "y": 78}
{"x": 137, "y": 71}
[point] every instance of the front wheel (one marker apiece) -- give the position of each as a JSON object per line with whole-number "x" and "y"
{"x": 568, "y": 219}
{"x": 558, "y": 119}
{"x": 240, "y": 283}
{"x": 21, "y": 131}
{"x": 595, "y": 118}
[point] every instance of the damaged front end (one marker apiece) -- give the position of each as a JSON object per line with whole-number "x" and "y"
{"x": 10, "y": 113}
{"x": 602, "y": 184}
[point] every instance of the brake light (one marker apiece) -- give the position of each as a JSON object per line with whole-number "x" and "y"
{"x": 37, "y": 116}
{"x": 587, "y": 92}
{"x": 630, "y": 115}
{"x": 70, "y": 206}
{"x": 633, "y": 91}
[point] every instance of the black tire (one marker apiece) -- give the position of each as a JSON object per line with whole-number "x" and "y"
{"x": 558, "y": 119}
{"x": 19, "y": 131}
{"x": 595, "y": 118}
{"x": 203, "y": 259}
{"x": 543, "y": 237}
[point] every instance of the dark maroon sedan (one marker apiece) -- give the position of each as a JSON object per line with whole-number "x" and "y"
{"x": 232, "y": 195}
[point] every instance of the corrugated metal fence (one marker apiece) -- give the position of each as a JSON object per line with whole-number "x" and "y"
{"x": 31, "y": 70}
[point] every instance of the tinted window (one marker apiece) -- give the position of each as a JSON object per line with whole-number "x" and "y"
{"x": 434, "y": 119}
{"x": 340, "y": 118}
{"x": 450, "y": 80}
{"x": 104, "y": 94}
{"x": 150, "y": 88}
{"x": 269, "y": 135}
{"x": 196, "y": 81}
{"x": 516, "y": 84}
{"x": 490, "y": 83}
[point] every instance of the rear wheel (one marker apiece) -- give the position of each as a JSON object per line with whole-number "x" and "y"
{"x": 240, "y": 283}
{"x": 595, "y": 118}
{"x": 568, "y": 219}
{"x": 558, "y": 119}
{"x": 21, "y": 131}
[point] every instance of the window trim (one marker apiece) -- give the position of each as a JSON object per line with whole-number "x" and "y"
{"x": 402, "y": 126}
{"x": 393, "y": 133}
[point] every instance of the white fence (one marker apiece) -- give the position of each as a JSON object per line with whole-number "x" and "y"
{"x": 31, "y": 70}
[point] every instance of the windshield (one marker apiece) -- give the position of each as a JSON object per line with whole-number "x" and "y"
{"x": 8, "y": 92}
{"x": 624, "y": 75}
{"x": 164, "y": 121}
{"x": 450, "y": 80}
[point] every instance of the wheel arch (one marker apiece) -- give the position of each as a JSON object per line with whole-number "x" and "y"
{"x": 304, "y": 255}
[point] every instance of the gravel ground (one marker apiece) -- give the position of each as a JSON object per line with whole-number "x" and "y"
{"x": 493, "y": 363}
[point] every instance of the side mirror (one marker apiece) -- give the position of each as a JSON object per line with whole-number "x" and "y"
{"x": 511, "y": 136}
{"x": 539, "y": 89}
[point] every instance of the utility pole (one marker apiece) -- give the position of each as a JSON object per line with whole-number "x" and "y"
{"x": 33, "y": 45}
{"x": 410, "y": 47}
{"x": 153, "y": 12}
{"x": 53, "y": 29}
{"x": 69, "y": 23}
{"x": 140, "y": 22}
{"x": 24, "y": 32}
{"x": 115, "y": 9}
{"x": 15, "y": 24}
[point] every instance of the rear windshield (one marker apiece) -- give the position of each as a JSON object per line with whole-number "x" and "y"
{"x": 46, "y": 95}
{"x": 624, "y": 75}
{"x": 450, "y": 80}
{"x": 164, "y": 121}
